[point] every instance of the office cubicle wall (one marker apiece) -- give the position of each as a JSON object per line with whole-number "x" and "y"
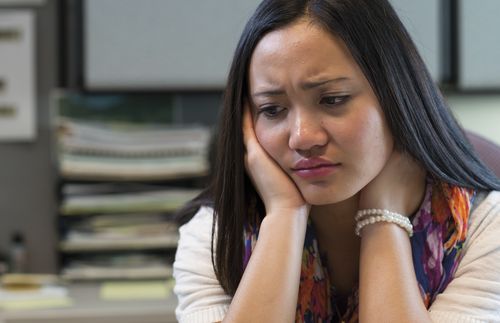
{"x": 181, "y": 44}
{"x": 147, "y": 44}
{"x": 188, "y": 44}
{"x": 479, "y": 44}
{"x": 424, "y": 21}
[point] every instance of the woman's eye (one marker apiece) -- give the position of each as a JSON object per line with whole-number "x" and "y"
{"x": 271, "y": 111}
{"x": 334, "y": 100}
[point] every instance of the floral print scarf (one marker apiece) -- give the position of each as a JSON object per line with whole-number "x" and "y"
{"x": 440, "y": 229}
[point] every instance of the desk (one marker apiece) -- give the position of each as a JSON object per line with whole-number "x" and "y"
{"x": 88, "y": 308}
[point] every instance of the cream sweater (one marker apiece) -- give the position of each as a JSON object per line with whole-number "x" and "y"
{"x": 472, "y": 296}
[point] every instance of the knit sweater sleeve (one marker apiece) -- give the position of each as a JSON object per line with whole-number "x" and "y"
{"x": 473, "y": 296}
{"x": 201, "y": 299}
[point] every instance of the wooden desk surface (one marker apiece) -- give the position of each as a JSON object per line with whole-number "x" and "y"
{"x": 88, "y": 308}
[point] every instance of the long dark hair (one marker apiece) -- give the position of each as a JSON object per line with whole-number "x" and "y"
{"x": 417, "y": 116}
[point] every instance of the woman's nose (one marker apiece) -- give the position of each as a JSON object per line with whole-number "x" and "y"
{"x": 307, "y": 132}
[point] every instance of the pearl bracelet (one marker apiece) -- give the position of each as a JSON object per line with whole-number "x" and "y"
{"x": 371, "y": 216}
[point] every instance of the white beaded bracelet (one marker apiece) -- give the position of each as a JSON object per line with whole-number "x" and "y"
{"x": 371, "y": 216}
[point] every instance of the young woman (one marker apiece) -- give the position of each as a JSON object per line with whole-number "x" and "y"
{"x": 344, "y": 189}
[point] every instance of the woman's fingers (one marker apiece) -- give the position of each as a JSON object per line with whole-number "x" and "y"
{"x": 249, "y": 137}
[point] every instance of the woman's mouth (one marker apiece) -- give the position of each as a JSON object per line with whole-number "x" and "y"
{"x": 314, "y": 168}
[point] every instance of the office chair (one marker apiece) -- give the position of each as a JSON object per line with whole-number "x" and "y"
{"x": 487, "y": 150}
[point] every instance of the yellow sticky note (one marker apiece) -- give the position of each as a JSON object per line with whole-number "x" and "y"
{"x": 36, "y": 304}
{"x": 128, "y": 290}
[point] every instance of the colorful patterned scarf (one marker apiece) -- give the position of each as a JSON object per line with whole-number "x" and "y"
{"x": 440, "y": 229}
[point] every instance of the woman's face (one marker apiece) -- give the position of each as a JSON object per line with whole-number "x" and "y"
{"x": 315, "y": 113}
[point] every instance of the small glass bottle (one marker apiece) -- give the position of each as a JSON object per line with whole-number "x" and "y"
{"x": 17, "y": 254}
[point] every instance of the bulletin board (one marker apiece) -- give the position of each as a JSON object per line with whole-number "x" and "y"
{"x": 17, "y": 75}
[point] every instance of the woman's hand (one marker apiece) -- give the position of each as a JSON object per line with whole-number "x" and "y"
{"x": 399, "y": 187}
{"x": 275, "y": 187}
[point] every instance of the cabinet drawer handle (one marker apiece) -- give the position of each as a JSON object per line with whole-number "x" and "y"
{"x": 10, "y": 34}
{"x": 7, "y": 111}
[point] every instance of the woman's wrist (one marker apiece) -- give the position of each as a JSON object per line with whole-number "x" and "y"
{"x": 380, "y": 229}
{"x": 301, "y": 211}
{"x": 369, "y": 217}
{"x": 293, "y": 218}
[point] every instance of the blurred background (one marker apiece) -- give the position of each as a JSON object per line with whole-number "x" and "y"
{"x": 106, "y": 113}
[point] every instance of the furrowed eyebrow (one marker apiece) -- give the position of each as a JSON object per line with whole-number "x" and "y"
{"x": 305, "y": 85}
{"x": 271, "y": 92}
{"x": 312, "y": 84}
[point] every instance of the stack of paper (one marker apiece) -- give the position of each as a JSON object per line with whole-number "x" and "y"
{"x": 118, "y": 231}
{"x": 103, "y": 151}
{"x": 133, "y": 202}
{"x": 29, "y": 291}
{"x": 127, "y": 266}
{"x": 121, "y": 232}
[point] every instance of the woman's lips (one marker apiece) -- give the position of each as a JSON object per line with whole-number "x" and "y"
{"x": 314, "y": 168}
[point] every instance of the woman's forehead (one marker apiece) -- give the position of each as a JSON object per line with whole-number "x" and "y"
{"x": 303, "y": 51}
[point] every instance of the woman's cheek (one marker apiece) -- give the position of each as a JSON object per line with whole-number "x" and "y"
{"x": 271, "y": 138}
{"x": 374, "y": 140}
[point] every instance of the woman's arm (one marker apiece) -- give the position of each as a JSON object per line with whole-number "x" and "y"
{"x": 388, "y": 288}
{"x": 269, "y": 287}
{"x": 472, "y": 296}
{"x": 266, "y": 290}
{"x": 474, "y": 293}
{"x": 199, "y": 293}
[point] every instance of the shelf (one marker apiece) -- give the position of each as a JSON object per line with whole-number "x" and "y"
{"x": 95, "y": 244}
{"x": 120, "y": 179}
{"x": 96, "y": 273}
